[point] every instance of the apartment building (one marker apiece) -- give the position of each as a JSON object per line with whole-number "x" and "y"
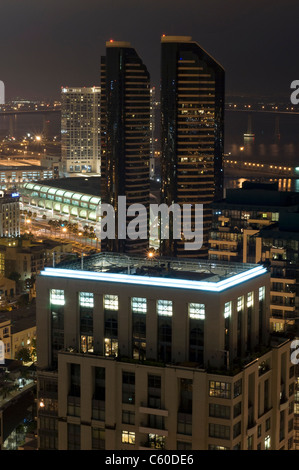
{"x": 138, "y": 353}
{"x": 17, "y": 330}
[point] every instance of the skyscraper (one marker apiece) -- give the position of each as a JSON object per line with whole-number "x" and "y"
{"x": 192, "y": 112}
{"x": 80, "y": 130}
{"x": 125, "y": 137}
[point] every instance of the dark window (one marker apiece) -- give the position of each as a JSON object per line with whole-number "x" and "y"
{"x": 74, "y": 380}
{"x": 154, "y": 391}
{"x": 74, "y": 441}
{"x": 128, "y": 387}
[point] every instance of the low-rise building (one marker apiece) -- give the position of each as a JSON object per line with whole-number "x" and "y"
{"x": 18, "y": 330}
{"x": 27, "y": 257}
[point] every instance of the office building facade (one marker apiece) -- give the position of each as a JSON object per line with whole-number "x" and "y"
{"x": 192, "y": 111}
{"x": 180, "y": 359}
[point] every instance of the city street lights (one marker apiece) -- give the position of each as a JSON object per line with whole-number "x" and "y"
{"x": 28, "y": 223}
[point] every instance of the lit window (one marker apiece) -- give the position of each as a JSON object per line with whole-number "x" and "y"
{"x": 111, "y": 302}
{"x": 197, "y": 311}
{"x": 57, "y": 297}
{"x": 240, "y": 304}
{"x": 227, "y": 309}
{"x": 164, "y": 308}
{"x": 128, "y": 437}
{"x": 139, "y": 305}
{"x": 267, "y": 443}
{"x": 86, "y": 299}
{"x": 262, "y": 293}
{"x": 220, "y": 389}
{"x": 250, "y": 299}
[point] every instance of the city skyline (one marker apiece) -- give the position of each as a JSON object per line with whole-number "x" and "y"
{"x": 47, "y": 43}
{"x": 149, "y": 227}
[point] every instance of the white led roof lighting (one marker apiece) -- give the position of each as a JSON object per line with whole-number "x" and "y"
{"x": 156, "y": 281}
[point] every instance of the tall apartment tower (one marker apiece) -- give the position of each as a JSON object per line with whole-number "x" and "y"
{"x": 192, "y": 112}
{"x": 126, "y": 139}
{"x": 80, "y": 130}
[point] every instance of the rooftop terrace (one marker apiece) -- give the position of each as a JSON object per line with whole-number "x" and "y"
{"x": 157, "y": 271}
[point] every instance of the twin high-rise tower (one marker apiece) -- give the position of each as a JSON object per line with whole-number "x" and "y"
{"x": 192, "y": 116}
{"x": 192, "y": 111}
{"x": 126, "y": 137}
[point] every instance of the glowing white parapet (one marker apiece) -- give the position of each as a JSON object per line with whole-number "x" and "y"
{"x": 156, "y": 281}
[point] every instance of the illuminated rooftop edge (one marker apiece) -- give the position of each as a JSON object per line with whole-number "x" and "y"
{"x": 156, "y": 281}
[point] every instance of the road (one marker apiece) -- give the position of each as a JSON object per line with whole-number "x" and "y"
{"x": 40, "y": 229}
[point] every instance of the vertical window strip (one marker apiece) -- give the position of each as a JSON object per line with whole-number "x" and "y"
{"x": 57, "y": 297}
{"x": 196, "y": 311}
{"x": 262, "y": 293}
{"x": 250, "y": 299}
{"x": 227, "y": 310}
{"x": 164, "y": 308}
{"x": 111, "y": 302}
{"x": 139, "y": 305}
{"x": 240, "y": 304}
{"x": 86, "y": 299}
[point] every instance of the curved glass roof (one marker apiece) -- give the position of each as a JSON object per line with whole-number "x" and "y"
{"x": 66, "y": 194}
{"x": 95, "y": 200}
{"x": 76, "y": 196}
{"x": 85, "y": 198}
{"x": 52, "y": 190}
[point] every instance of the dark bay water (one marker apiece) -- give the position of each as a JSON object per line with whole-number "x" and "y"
{"x": 19, "y": 125}
{"x": 276, "y": 137}
{"x": 266, "y": 146}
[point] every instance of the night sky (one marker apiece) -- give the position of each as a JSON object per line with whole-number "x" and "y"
{"x": 45, "y": 44}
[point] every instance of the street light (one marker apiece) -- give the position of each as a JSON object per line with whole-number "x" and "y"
{"x": 151, "y": 254}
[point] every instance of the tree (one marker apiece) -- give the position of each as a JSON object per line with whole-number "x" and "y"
{"x": 23, "y": 354}
{"x": 33, "y": 349}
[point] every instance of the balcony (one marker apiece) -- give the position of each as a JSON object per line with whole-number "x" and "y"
{"x": 145, "y": 408}
{"x": 289, "y": 294}
{"x": 158, "y": 443}
{"x": 276, "y": 262}
{"x": 150, "y": 430}
{"x": 280, "y": 306}
{"x": 260, "y": 221}
{"x": 223, "y": 241}
{"x": 221, "y": 251}
{"x": 283, "y": 279}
